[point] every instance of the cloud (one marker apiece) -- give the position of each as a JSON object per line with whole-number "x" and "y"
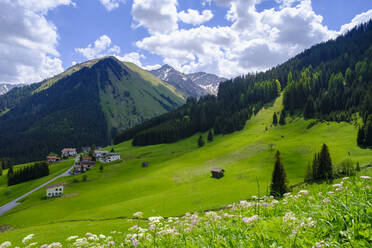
{"x": 111, "y": 4}
{"x": 28, "y": 40}
{"x": 193, "y": 17}
{"x": 358, "y": 19}
{"x": 101, "y": 47}
{"x": 158, "y": 16}
{"x": 254, "y": 41}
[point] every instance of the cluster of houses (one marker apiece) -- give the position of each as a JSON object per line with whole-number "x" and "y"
{"x": 105, "y": 156}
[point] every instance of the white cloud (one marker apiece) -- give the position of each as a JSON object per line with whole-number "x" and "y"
{"x": 101, "y": 47}
{"x": 111, "y": 4}
{"x": 358, "y": 19}
{"x": 254, "y": 41}
{"x": 28, "y": 40}
{"x": 193, "y": 17}
{"x": 158, "y": 16}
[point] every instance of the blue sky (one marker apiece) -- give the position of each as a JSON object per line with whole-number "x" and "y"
{"x": 225, "y": 37}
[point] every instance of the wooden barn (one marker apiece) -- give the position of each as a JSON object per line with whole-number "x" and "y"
{"x": 217, "y": 172}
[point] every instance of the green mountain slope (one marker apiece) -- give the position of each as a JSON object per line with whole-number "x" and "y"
{"x": 178, "y": 177}
{"x": 88, "y": 104}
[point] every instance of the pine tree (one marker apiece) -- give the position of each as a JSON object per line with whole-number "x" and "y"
{"x": 1, "y": 168}
{"x": 112, "y": 150}
{"x": 10, "y": 176}
{"x": 275, "y": 119}
{"x": 282, "y": 118}
{"x": 316, "y": 165}
{"x": 101, "y": 168}
{"x": 325, "y": 168}
{"x": 279, "y": 178}
{"x": 210, "y": 136}
{"x": 201, "y": 141}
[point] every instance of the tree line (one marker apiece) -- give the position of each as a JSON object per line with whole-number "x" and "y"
{"x": 27, "y": 173}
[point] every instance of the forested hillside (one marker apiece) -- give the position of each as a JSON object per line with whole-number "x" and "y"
{"x": 88, "y": 104}
{"x": 331, "y": 80}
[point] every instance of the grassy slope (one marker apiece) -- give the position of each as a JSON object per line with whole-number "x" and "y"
{"x": 178, "y": 179}
{"x": 8, "y": 194}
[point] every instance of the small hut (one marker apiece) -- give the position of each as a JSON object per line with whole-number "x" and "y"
{"x": 145, "y": 164}
{"x": 217, "y": 172}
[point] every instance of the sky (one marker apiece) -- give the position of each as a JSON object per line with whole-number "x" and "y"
{"x": 41, "y": 38}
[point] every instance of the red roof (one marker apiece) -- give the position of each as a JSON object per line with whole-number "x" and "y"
{"x": 86, "y": 159}
{"x": 69, "y": 150}
{"x": 51, "y": 157}
{"x": 55, "y": 185}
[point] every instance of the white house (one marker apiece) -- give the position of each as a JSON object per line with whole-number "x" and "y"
{"x": 112, "y": 157}
{"x": 100, "y": 154}
{"x": 55, "y": 189}
{"x": 68, "y": 152}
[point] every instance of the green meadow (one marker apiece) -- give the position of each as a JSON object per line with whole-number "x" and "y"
{"x": 178, "y": 177}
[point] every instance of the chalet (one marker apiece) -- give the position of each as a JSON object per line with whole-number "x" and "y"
{"x": 109, "y": 157}
{"x": 100, "y": 154}
{"x": 145, "y": 164}
{"x": 217, "y": 172}
{"x": 85, "y": 149}
{"x": 52, "y": 159}
{"x": 68, "y": 152}
{"x": 55, "y": 189}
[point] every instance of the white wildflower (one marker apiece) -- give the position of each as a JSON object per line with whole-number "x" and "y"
{"x": 55, "y": 245}
{"x": 250, "y": 219}
{"x": 365, "y": 177}
{"x": 71, "y": 238}
{"x": 27, "y": 238}
{"x": 6, "y": 244}
{"x": 138, "y": 214}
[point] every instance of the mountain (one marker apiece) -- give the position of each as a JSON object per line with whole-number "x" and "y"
{"x": 329, "y": 81}
{"x": 87, "y": 104}
{"x": 5, "y": 88}
{"x": 195, "y": 84}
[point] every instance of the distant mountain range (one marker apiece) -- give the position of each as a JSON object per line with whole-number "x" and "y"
{"x": 195, "y": 84}
{"x": 87, "y": 104}
{"x": 5, "y": 88}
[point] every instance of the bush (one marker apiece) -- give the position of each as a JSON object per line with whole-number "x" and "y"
{"x": 85, "y": 178}
{"x": 345, "y": 168}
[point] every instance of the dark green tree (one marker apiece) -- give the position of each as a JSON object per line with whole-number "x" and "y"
{"x": 210, "y": 136}
{"x": 282, "y": 118}
{"x": 201, "y": 141}
{"x": 275, "y": 119}
{"x": 112, "y": 150}
{"x": 279, "y": 178}
{"x": 1, "y": 168}
{"x": 325, "y": 166}
{"x": 101, "y": 168}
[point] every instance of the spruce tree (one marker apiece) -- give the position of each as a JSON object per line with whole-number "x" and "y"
{"x": 275, "y": 119}
{"x": 279, "y": 178}
{"x": 10, "y": 176}
{"x": 112, "y": 150}
{"x": 325, "y": 169}
{"x": 1, "y": 168}
{"x": 282, "y": 118}
{"x": 210, "y": 136}
{"x": 201, "y": 141}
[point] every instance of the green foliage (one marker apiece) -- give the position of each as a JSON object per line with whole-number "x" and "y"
{"x": 112, "y": 150}
{"x": 283, "y": 116}
{"x": 275, "y": 119}
{"x": 279, "y": 182}
{"x": 85, "y": 178}
{"x": 346, "y": 168}
{"x": 1, "y": 168}
{"x": 28, "y": 173}
{"x": 357, "y": 168}
{"x": 309, "y": 111}
{"x": 201, "y": 141}
{"x": 322, "y": 165}
{"x": 210, "y": 136}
